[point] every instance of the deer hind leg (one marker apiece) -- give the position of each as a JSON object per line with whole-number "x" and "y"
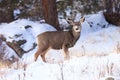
{"x": 43, "y": 57}
{"x": 42, "y": 53}
{"x": 36, "y": 55}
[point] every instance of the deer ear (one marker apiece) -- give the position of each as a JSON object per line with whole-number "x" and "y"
{"x": 69, "y": 21}
{"x": 82, "y": 19}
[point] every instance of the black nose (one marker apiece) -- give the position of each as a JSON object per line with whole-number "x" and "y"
{"x": 77, "y": 28}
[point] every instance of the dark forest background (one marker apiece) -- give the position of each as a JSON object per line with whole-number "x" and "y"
{"x": 35, "y": 9}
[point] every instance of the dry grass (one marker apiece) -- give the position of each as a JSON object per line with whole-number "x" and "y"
{"x": 118, "y": 47}
{"x": 3, "y": 65}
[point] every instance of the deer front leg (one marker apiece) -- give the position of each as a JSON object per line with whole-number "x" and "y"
{"x": 66, "y": 52}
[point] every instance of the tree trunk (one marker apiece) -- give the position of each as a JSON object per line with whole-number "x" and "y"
{"x": 50, "y": 13}
{"x": 6, "y": 11}
{"x": 6, "y": 15}
{"x": 112, "y": 13}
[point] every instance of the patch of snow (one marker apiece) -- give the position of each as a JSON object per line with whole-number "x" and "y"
{"x": 16, "y": 13}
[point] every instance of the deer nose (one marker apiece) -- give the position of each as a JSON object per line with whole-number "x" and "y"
{"x": 77, "y": 28}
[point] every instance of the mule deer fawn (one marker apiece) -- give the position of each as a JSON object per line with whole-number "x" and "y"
{"x": 58, "y": 39}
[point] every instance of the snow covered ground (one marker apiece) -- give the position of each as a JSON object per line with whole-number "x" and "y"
{"x": 95, "y": 56}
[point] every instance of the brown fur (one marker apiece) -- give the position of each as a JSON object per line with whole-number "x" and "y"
{"x": 57, "y": 40}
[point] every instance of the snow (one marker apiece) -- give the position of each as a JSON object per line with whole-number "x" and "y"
{"x": 16, "y": 13}
{"x": 18, "y": 27}
{"x": 95, "y": 56}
